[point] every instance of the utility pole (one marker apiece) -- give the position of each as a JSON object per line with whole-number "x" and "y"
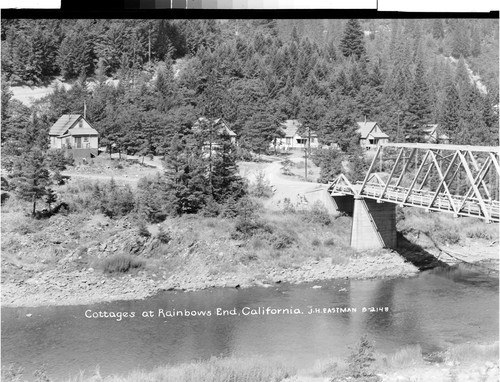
{"x": 305, "y": 149}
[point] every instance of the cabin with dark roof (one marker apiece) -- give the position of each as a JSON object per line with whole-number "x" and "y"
{"x": 73, "y": 132}
{"x": 371, "y": 135}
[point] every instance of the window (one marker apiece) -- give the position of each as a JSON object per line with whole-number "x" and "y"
{"x": 288, "y": 141}
{"x": 85, "y": 139}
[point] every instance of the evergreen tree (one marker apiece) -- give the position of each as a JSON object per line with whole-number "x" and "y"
{"x": 475, "y": 41}
{"x": 451, "y": 111}
{"x": 419, "y": 110}
{"x": 75, "y": 54}
{"x": 31, "y": 177}
{"x": 338, "y": 127}
{"x": 437, "y": 29}
{"x": 352, "y": 43}
{"x": 460, "y": 45}
{"x": 462, "y": 78}
{"x": 472, "y": 127}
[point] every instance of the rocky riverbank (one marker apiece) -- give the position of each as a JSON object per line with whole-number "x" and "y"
{"x": 88, "y": 286}
{"x": 61, "y": 261}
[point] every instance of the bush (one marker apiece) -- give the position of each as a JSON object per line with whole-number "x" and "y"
{"x": 283, "y": 239}
{"x": 317, "y": 214}
{"x": 262, "y": 187}
{"x": 142, "y": 230}
{"x": 121, "y": 264}
{"x": 244, "y": 228}
{"x": 286, "y": 166}
{"x": 163, "y": 236}
{"x": 329, "y": 242}
{"x": 316, "y": 242}
{"x": 152, "y": 202}
{"x": 288, "y": 207}
{"x": 360, "y": 361}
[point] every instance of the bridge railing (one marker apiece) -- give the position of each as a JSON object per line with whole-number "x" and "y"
{"x": 458, "y": 204}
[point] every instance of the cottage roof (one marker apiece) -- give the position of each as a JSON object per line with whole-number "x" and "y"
{"x": 364, "y": 128}
{"x": 82, "y": 131}
{"x": 430, "y": 128}
{"x": 219, "y": 122}
{"x": 290, "y": 127}
{"x": 379, "y": 135}
{"x": 64, "y": 123}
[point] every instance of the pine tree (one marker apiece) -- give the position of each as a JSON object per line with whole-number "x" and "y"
{"x": 419, "y": 110}
{"x": 437, "y": 29}
{"x": 31, "y": 177}
{"x": 451, "y": 111}
{"x": 460, "y": 45}
{"x": 338, "y": 127}
{"x": 475, "y": 41}
{"x": 352, "y": 43}
{"x": 472, "y": 127}
{"x": 462, "y": 78}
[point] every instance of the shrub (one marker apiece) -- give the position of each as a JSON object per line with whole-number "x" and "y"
{"x": 288, "y": 207}
{"x": 212, "y": 209}
{"x": 329, "y": 242}
{"x": 163, "y": 236}
{"x": 286, "y": 166}
{"x": 116, "y": 201}
{"x": 262, "y": 187}
{"x": 316, "y": 242}
{"x": 246, "y": 228}
{"x": 121, "y": 264}
{"x": 478, "y": 232}
{"x": 360, "y": 361}
{"x": 283, "y": 239}
{"x": 317, "y": 214}
{"x": 142, "y": 230}
{"x": 152, "y": 202}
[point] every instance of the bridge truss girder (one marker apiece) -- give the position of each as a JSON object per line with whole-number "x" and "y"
{"x": 463, "y": 180}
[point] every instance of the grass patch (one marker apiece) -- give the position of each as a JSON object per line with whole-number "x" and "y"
{"x": 121, "y": 264}
{"x": 406, "y": 357}
{"x": 473, "y": 352}
{"x": 444, "y": 228}
{"x": 255, "y": 369}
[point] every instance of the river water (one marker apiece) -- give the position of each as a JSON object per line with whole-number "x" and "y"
{"x": 434, "y": 309}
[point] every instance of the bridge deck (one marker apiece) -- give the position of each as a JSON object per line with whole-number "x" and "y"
{"x": 422, "y": 199}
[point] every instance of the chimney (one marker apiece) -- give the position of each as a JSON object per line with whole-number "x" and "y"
{"x": 84, "y": 110}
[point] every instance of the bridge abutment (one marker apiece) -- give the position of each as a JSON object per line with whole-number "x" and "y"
{"x": 373, "y": 224}
{"x": 344, "y": 204}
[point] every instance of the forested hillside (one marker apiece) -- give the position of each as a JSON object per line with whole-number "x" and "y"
{"x": 254, "y": 74}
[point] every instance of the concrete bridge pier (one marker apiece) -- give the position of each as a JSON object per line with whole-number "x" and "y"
{"x": 373, "y": 224}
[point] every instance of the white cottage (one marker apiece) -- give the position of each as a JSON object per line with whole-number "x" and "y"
{"x": 73, "y": 131}
{"x": 371, "y": 135}
{"x": 295, "y": 136}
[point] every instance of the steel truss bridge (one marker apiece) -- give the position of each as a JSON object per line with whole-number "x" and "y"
{"x": 463, "y": 180}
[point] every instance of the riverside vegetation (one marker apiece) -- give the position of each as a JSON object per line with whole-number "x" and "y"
{"x": 476, "y": 362}
{"x": 111, "y": 241}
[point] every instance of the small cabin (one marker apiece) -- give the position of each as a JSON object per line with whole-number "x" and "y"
{"x": 296, "y": 136}
{"x": 431, "y": 134}
{"x": 371, "y": 135}
{"x": 74, "y": 132}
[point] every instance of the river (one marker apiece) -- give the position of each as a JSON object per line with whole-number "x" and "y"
{"x": 434, "y": 309}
